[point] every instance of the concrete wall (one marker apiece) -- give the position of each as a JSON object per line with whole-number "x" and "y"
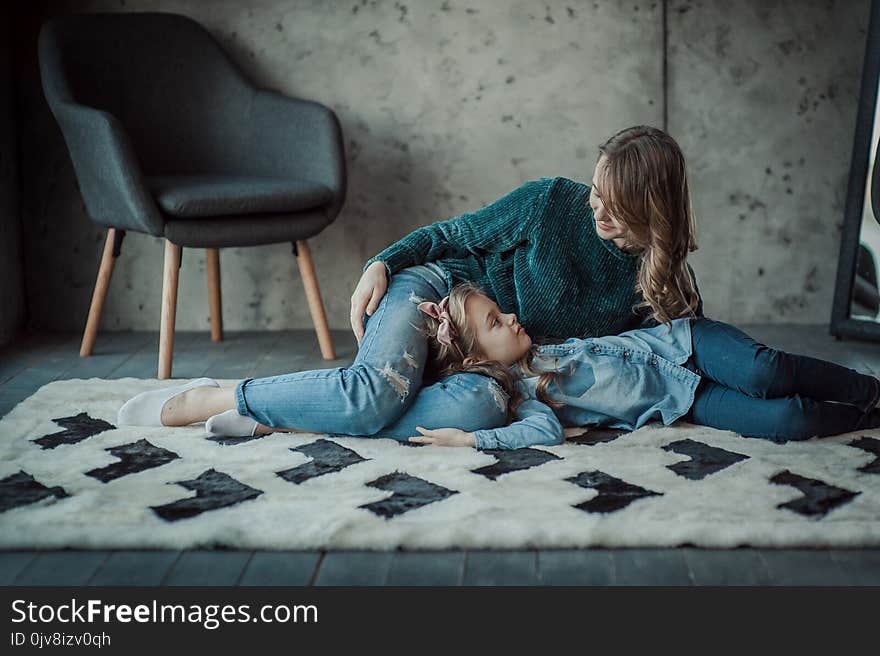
{"x": 12, "y": 296}
{"x": 763, "y": 99}
{"x": 448, "y": 105}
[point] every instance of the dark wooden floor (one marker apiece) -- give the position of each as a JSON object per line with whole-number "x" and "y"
{"x": 34, "y": 360}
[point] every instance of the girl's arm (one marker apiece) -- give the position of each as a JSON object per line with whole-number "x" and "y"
{"x": 495, "y": 228}
{"x": 536, "y": 424}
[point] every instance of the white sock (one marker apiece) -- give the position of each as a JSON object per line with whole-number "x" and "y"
{"x": 231, "y": 424}
{"x": 145, "y": 409}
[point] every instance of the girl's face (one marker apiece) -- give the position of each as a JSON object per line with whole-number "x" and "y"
{"x": 498, "y": 336}
{"x": 607, "y": 227}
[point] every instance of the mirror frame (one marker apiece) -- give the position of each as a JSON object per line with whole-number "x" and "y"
{"x": 841, "y": 323}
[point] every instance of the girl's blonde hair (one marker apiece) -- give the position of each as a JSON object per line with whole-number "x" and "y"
{"x": 644, "y": 185}
{"x": 463, "y": 354}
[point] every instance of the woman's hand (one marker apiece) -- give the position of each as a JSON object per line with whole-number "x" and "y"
{"x": 444, "y": 437}
{"x": 369, "y": 291}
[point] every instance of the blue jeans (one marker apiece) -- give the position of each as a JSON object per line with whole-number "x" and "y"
{"x": 758, "y": 391}
{"x": 381, "y": 393}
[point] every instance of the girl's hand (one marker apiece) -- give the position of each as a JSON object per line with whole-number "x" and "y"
{"x": 369, "y": 291}
{"x": 444, "y": 437}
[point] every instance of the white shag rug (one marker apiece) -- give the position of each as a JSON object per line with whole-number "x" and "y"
{"x": 70, "y": 478}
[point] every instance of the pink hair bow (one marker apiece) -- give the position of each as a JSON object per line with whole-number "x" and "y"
{"x": 440, "y": 311}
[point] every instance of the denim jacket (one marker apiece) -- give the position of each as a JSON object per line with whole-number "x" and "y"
{"x": 619, "y": 381}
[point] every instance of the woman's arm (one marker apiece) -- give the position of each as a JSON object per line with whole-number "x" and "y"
{"x": 498, "y": 227}
{"x": 366, "y": 297}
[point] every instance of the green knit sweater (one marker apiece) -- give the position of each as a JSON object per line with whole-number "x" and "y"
{"x": 536, "y": 253}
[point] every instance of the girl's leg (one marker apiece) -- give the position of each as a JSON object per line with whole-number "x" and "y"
{"x": 465, "y": 401}
{"x": 777, "y": 419}
{"x": 728, "y": 356}
{"x": 375, "y": 390}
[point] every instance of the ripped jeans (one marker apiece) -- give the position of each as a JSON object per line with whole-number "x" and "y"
{"x": 381, "y": 393}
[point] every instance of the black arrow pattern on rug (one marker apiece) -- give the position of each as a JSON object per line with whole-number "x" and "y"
{"x": 22, "y": 489}
{"x": 327, "y": 457}
{"x": 76, "y": 430}
{"x": 614, "y": 494}
{"x": 819, "y": 497}
{"x": 593, "y": 436}
{"x": 871, "y": 445}
{"x": 410, "y": 492}
{"x": 232, "y": 441}
{"x": 133, "y": 458}
{"x": 511, "y": 460}
{"x": 705, "y": 459}
{"x": 213, "y": 489}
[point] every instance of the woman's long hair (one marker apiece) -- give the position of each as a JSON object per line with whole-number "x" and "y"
{"x": 644, "y": 186}
{"x": 463, "y": 355}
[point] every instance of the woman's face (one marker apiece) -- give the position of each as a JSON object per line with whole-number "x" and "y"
{"x": 607, "y": 227}
{"x": 499, "y": 336}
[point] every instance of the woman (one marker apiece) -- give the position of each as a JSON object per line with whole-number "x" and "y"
{"x": 569, "y": 259}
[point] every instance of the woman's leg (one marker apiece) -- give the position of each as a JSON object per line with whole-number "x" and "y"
{"x": 376, "y": 389}
{"x": 466, "y": 401}
{"x": 726, "y": 355}
{"x": 197, "y": 405}
{"x": 373, "y": 392}
{"x": 777, "y": 419}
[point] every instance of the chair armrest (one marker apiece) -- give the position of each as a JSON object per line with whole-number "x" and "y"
{"x": 110, "y": 177}
{"x": 299, "y": 138}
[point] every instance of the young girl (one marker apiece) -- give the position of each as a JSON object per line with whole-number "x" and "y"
{"x": 703, "y": 371}
{"x": 568, "y": 258}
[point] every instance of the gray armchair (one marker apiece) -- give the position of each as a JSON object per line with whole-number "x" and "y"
{"x": 168, "y": 138}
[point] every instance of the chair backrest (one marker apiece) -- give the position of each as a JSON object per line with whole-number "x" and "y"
{"x": 174, "y": 89}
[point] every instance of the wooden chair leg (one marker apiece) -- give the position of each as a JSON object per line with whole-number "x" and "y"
{"x": 213, "y": 267}
{"x": 313, "y": 296}
{"x": 169, "y": 308}
{"x": 103, "y": 282}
